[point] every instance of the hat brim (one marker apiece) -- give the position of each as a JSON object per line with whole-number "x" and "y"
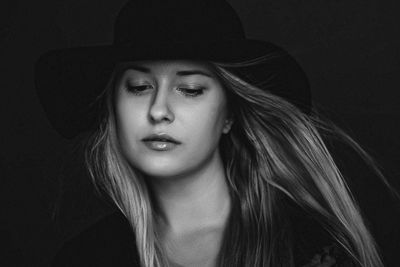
{"x": 69, "y": 80}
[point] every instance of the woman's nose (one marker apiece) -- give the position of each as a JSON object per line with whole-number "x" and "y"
{"x": 159, "y": 110}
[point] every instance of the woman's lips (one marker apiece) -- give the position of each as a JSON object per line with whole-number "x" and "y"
{"x": 162, "y": 137}
{"x": 160, "y": 142}
{"x": 160, "y": 145}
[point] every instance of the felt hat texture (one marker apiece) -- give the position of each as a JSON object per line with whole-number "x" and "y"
{"x": 68, "y": 81}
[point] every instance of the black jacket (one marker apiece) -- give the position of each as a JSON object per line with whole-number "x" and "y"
{"x": 111, "y": 242}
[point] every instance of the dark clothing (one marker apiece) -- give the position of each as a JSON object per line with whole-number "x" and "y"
{"x": 111, "y": 242}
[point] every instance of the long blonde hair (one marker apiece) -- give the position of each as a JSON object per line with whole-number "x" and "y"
{"x": 273, "y": 155}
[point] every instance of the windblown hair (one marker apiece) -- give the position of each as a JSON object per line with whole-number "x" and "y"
{"x": 273, "y": 155}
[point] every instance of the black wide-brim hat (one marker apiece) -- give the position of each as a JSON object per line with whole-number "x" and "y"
{"x": 68, "y": 81}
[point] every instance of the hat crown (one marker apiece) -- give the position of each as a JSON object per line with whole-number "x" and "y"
{"x": 177, "y": 21}
{"x": 69, "y": 81}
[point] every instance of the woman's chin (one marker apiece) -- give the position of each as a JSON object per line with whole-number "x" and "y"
{"x": 162, "y": 170}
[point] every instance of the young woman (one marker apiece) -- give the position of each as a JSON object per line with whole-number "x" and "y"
{"x": 205, "y": 142}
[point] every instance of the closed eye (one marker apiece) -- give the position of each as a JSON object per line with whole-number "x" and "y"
{"x": 191, "y": 92}
{"x": 141, "y": 89}
{"x": 138, "y": 89}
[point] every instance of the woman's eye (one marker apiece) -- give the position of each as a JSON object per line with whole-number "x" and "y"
{"x": 191, "y": 92}
{"x": 137, "y": 89}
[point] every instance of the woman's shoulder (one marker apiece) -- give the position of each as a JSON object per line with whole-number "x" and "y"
{"x": 108, "y": 242}
{"x": 111, "y": 242}
{"x": 314, "y": 246}
{"x": 330, "y": 256}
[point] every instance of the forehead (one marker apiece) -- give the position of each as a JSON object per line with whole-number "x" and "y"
{"x": 183, "y": 67}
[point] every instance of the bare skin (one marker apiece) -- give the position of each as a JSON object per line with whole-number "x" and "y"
{"x": 195, "y": 214}
{"x": 186, "y": 101}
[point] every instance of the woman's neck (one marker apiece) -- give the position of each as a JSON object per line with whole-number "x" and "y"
{"x": 195, "y": 201}
{"x": 194, "y": 209}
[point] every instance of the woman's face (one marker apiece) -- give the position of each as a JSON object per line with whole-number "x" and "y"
{"x": 170, "y": 116}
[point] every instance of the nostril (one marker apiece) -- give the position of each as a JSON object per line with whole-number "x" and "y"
{"x": 158, "y": 114}
{"x": 159, "y": 109}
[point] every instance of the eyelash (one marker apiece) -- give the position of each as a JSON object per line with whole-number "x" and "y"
{"x": 191, "y": 92}
{"x": 135, "y": 88}
{"x": 185, "y": 91}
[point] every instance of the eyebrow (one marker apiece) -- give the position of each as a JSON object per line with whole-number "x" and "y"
{"x": 178, "y": 73}
{"x": 193, "y": 72}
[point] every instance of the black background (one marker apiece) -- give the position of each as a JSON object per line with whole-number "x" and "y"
{"x": 349, "y": 49}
